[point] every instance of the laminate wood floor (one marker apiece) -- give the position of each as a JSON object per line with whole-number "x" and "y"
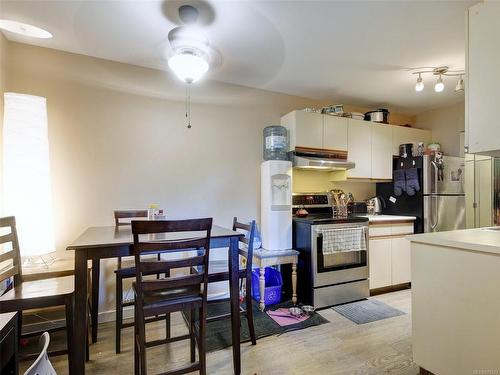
{"x": 338, "y": 347}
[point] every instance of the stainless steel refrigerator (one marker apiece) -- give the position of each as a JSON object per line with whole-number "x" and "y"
{"x": 439, "y": 205}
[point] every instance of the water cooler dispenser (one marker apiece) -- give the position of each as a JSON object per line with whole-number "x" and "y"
{"x": 276, "y": 204}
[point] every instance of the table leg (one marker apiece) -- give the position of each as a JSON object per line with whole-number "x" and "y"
{"x": 80, "y": 314}
{"x": 294, "y": 283}
{"x": 95, "y": 297}
{"x": 235, "y": 303}
{"x": 262, "y": 287}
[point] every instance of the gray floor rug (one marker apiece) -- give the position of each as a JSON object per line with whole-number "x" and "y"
{"x": 366, "y": 311}
{"x": 219, "y": 332}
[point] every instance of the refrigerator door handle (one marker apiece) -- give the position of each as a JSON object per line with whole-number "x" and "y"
{"x": 434, "y": 207}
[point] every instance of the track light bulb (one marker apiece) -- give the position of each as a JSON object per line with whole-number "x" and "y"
{"x": 439, "y": 86}
{"x": 419, "y": 86}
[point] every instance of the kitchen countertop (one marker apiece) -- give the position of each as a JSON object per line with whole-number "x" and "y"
{"x": 479, "y": 240}
{"x": 383, "y": 218}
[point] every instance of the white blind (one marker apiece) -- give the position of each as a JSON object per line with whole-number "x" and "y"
{"x": 26, "y": 171}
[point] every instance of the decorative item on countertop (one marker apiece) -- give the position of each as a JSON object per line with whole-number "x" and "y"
{"x": 275, "y": 143}
{"x": 273, "y": 284}
{"x": 336, "y": 110}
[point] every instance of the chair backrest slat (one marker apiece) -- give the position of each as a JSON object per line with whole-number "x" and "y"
{"x": 155, "y": 266}
{"x": 165, "y": 246}
{"x": 13, "y": 254}
{"x": 167, "y": 226}
{"x": 9, "y": 272}
{"x": 6, "y": 255}
{"x": 189, "y": 238}
{"x": 128, "y": 214}
{"x": 7, "y": 238}
{"x": 172, "y": 282}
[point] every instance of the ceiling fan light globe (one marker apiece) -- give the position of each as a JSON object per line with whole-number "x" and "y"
{"x": 188, "y": 66}
{"x": 419, "y": 86}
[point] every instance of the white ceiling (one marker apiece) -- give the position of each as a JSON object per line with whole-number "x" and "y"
{"x": 355, "y": 52}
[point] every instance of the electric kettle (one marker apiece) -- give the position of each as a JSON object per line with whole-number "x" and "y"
{"x": 376, "y": 203}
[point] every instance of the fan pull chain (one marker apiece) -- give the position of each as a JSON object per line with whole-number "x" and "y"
{"x": 188, "y": 106}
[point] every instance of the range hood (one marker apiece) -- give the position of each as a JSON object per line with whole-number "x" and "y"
{"x": 319, "y": 162}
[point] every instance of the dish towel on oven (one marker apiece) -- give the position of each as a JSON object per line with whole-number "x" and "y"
{"x": 343, "y": 240}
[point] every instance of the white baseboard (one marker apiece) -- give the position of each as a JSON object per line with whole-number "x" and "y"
{"x": 110, "y": 315}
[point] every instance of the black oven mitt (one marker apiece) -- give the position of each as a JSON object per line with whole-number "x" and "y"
{"x": 399, "y": 182}
{"x": 412, "y": 184}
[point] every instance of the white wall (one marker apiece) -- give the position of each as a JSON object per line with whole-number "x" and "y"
{"x": 446, "y": 125}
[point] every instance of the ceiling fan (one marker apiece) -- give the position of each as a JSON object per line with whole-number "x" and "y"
{"x": 190, "y": 52}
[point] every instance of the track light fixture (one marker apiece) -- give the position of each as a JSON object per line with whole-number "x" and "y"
{"x": 440, "y": 72}
{"x": 419, "y": 86}
{"x": 439, "y": 86}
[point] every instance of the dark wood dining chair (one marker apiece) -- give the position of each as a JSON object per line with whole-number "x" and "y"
{"x": 218, "y": 270}
{"x": 126, "y": 270}
{"x": 25, "y": 295}
{"x": 186, "y": 292}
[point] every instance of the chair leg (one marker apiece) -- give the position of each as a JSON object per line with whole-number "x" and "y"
{"x": 119, "y": 313}
{"x": 141, "y": 330}
{"x": 95, "y": 297}
{"x": 69, "y": 331}
{"x": 248, "y": 300}
{"x": 167, "y": 326}
{"x": 136, "y": 345}
{"x": 87, "y": 333}
{"x": 19, "y": 326}
{"x": 192, "y": 332}
{"x": 201, "y": 339}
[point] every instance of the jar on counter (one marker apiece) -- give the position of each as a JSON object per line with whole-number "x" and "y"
{"x": 275, "y": 143}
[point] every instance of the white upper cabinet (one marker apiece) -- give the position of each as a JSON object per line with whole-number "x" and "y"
{"x": 381, "y": 159}
{"x": 359, "y": 148}
{"x": 402, "y": 134}
{"x": 482, "y": 133}
{"x": 335, "y": 133}
{"x": 314, "y": 130}
{"x": 305, "y": 129}
{"x": 368, "y": 144}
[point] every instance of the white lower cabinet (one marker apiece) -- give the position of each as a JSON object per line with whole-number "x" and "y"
{"x": 380, "y": 263}
{"x": 400, "y": 256}
{"x": 389, "y": 258}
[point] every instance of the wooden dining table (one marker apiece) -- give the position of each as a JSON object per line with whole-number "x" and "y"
{"x": 105, "y": 242}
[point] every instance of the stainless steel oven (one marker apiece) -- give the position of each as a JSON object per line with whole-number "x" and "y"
{"x": 332, "y": 268}
{"x": 340, "y": 267}
{"x": 342, "y": 276}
